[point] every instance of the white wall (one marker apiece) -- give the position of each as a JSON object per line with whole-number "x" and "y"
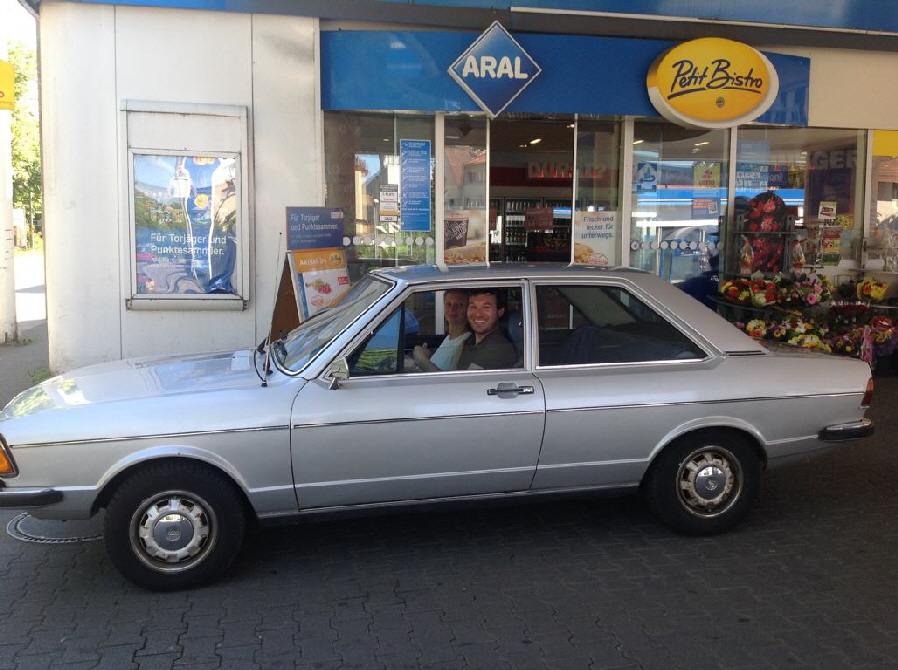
{"x": 851, "y": 89}
{"x": 267, "y": 64}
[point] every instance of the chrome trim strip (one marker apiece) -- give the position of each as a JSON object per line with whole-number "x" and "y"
{"x": 589, "y": 464}
{"x": 406, "y": 419}
{"x": 157, "y": 436}
{"x": 424, "y": 477}
{"x": 723, "y": 401}
{"x": 619, "y": 364}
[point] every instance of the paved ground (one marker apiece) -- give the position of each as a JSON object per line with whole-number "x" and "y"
{"x": 809, "y": 581}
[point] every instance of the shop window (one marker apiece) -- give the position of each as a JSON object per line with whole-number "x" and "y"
{"x": 797, "y": 201}
{"x": 678, "y": 194}
{"x": 596, "y": 222}
{"x": 581, "y": 325}
{"x": 465, "y": 220}
{"x": 379, "y": 170}
{"x": 188, "y": 211}
{"x": 881, "y": 245}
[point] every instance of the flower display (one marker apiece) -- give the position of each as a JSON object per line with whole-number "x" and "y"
{"x": 763, "y": 292}
{"x": 801, "y": 291}
{"x": 737, "y": 291}
{"x": 871, "y": 290}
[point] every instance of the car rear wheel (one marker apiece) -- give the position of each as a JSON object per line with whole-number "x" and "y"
{"x": 174, "y": 526}
{"x": 705, "y": 483}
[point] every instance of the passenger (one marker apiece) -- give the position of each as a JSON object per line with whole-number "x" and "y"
{"x": 489, "y": 349}
{"x": 445, "y": 357}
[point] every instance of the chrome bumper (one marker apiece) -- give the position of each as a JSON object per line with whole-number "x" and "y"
{"x": 847, "y": 431}
{"x": 29, "y": 498}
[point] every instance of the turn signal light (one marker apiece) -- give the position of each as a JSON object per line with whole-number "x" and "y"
{"x": 6, "y": 467}
{"x": 868, "y": 394}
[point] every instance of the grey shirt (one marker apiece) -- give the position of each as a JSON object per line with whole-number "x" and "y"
{"x": 493, "y": 352}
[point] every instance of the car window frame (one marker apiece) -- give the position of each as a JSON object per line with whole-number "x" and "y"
{"x": 443, "y": 285}
{"x": 645, "y": 297}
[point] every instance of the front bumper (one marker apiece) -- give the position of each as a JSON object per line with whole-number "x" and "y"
{"x": 847, "y": 431}
{"x": 29, "y": 498}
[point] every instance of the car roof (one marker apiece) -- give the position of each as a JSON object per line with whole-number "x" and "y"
{"x": 422, "y": 273}
{"x": 717, "y": 330}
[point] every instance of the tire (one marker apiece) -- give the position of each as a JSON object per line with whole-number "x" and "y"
{"x": 174, "y": 525}
{"x": 704, "y": 483}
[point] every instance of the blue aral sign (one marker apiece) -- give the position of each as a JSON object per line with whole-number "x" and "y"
{"x": 494, "y": 70}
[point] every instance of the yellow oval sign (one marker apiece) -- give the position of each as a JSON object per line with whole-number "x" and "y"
{"x": 712, "y": 82}
{"x": 7, "y": 86}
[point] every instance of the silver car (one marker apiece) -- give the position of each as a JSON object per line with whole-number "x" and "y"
{"x": 598, "y": 380}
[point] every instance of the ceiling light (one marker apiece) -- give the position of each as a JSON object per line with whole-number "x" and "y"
{"x": 536, "y": 140}
{"x": 638, "y": 141}
{"x": 701, "y": 144}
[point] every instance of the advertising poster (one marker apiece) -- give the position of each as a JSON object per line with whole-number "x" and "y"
{"x": 464, "y": 237}
{"x": 646, "y": 180}
{"x": 185, "y": 222}
{"x": 831, "y": 245}
{"x": 706, "y": 175}
{"x": 705, "y": 208}
{"x": 321, "y": 277}
{"x": 539, "y": 219}
{"x": 388, "y": 204}
{"x": 594, "y": 238}
{"x": 414, "y": 175}
{"x": 314, "y": 227}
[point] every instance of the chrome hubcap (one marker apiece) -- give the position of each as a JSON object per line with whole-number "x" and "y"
{"x": 172, "y": 531}
{"x": 709, "y": 481}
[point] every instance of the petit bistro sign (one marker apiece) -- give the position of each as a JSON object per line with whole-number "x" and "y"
{"x": 712, "y": 82}
{"x": 7, "y": 84}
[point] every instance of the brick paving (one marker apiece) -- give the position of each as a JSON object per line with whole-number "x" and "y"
{"x": 809, "y": 581}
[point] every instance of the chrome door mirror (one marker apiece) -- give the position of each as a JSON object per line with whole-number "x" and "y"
{"x": 336, "y": 371}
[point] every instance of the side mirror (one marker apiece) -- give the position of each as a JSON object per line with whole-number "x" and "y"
{"x": 337, "y": 370}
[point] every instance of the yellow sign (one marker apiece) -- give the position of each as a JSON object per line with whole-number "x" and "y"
{"x": 712, "y": 82}
{"x": 7, "y": 86}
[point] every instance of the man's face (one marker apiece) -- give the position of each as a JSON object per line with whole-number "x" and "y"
{"x": 455, "y": 308}
{"x": 483, "y": 314}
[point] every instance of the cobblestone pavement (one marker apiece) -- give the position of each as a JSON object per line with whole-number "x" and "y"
{"x": 809, "y": 581}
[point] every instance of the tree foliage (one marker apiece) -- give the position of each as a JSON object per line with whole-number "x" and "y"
{"x": 26, "y": 143}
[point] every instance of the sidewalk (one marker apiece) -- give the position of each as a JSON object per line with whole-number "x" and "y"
{"x": 20, "y": 363}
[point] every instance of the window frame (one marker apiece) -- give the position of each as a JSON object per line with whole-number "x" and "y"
{"x": 647, "y": 301}
{"x": 155, "y": 142}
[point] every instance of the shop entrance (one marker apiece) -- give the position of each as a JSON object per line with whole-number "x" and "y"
{"x": 531, "y": 189}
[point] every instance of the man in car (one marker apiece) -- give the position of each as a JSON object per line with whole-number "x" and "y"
{"x": 489, "y": 349}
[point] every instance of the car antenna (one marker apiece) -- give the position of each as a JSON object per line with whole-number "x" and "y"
{"x": 266, "y": 369}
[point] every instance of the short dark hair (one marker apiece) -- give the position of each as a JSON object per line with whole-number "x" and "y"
{"x": 500, "y": 294}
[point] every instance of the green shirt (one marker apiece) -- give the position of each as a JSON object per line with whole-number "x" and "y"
{"x": 493, "y": 352}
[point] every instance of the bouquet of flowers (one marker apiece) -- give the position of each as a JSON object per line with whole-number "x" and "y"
{"x": 803, "y": 290}
{"x": 763, "y": 292}
{"x": 737, "y": 291}
{"x": 847, "y": 314}
{"x": 871, "y": 290}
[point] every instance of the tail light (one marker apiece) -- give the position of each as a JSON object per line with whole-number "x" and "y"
{"x": 867, "y": 400}
{"x": 7, "y": 466}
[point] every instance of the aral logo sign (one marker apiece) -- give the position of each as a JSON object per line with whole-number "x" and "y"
{"x": 712, "y": 83}
{"x": 494, "y": 70}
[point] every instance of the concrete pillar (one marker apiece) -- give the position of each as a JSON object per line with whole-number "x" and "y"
{"x": 8, "y": 328}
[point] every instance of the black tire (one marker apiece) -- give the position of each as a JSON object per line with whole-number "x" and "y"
{"x": 704, "y": 483}
{"x": 174, "y": 525}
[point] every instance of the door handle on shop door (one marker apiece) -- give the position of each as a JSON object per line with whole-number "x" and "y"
{"x": 510, "y": 389}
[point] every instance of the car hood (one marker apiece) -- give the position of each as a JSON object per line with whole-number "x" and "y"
{"x": 135, "y": 378}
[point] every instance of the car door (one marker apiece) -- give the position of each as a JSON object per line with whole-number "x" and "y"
{"x": 617, "y": 376}
{"x": 390, "y": 433}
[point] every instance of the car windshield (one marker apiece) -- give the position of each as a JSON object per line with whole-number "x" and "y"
{"x": 312, "y": 335}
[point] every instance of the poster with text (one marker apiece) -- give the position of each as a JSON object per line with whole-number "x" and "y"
{"x": 185, "y": 224}
{"x": 314, "y": 227}
{"x": 321, "y": 278}
{"x": 414, "y": 176}
{"x": 594, "y": 238}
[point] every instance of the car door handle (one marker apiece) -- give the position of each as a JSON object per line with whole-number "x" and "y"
{"x": 510, "y": 389}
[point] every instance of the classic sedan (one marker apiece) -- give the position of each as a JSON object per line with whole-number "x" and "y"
{"x": 562, "y": 380}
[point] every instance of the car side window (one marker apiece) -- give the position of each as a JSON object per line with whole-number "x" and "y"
{"x": 604, "y": 324}
{"x": 429, "y": 331}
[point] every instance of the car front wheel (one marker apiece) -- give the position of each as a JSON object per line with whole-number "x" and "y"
{"x": 705, "y": 483}
{"x": 174, "y": 526}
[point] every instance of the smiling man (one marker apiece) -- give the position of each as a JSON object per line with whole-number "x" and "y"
{"x": 489, "y": 349}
